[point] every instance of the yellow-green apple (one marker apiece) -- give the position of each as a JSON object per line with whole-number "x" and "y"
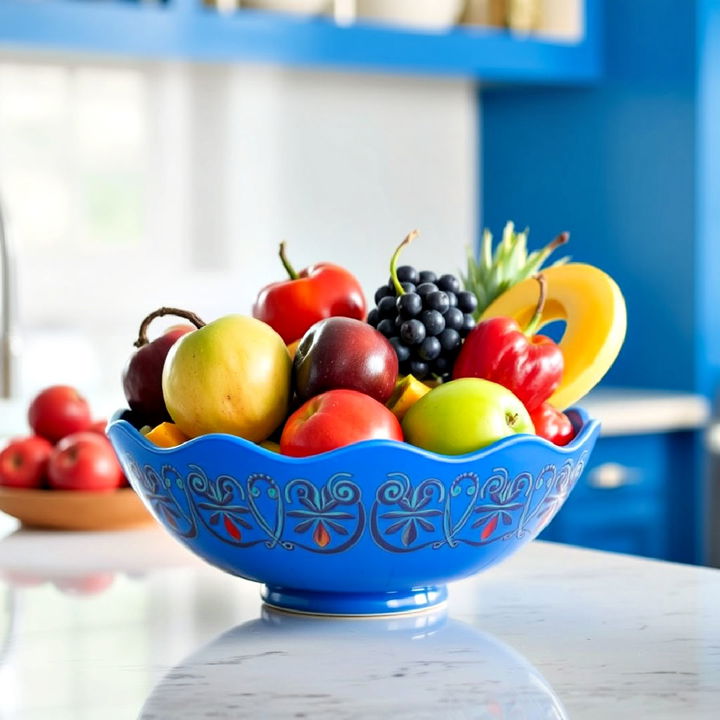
{"x": 230, "y": 376}
{"x": 464, "y": 415}
{"x": 344, "y": 353}
{"x": 334, "y": 419}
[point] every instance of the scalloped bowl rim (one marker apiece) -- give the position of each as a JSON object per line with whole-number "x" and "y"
{"x": 587, "y": 427}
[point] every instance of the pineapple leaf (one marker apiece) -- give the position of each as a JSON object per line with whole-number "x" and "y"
{"x": 495, "y": 271}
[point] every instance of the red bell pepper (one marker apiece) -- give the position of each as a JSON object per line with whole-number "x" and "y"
{"x": 552, "y": 424}
{"x": 497, "y": 349}
{"x": 320, "y": 291}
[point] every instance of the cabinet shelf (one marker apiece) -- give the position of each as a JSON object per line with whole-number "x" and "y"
{"x": 186, "y": 30}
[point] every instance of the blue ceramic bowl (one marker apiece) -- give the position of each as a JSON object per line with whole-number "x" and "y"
{"x": 375, "y": 527}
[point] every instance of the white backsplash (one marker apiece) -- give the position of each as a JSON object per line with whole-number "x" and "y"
{"x": 339, "y": 165}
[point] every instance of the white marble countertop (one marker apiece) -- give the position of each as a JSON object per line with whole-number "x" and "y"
{"x": 129, "y": 625}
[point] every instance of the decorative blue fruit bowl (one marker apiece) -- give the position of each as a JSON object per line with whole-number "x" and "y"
{"x": 370, "y": 528}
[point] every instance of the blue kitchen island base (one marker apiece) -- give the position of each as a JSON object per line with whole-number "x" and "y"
{"x": 354, "y": 604}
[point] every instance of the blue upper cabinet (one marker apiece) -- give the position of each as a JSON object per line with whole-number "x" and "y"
{"x": 186, "y": 29}
{"x": 631, "y": 167}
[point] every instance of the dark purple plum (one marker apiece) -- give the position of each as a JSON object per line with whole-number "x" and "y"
{"x": 343, "y": 353}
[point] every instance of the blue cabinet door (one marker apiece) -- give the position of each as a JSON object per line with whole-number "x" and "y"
{"x": 632, "y": 529}
{"x": 638, "y": 495}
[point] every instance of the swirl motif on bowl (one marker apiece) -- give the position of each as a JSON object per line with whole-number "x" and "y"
{"x": 332, "y": 518}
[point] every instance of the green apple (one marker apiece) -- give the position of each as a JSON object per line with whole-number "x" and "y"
{"x": 230, "y": 376}
{"x": 464, "y": 415}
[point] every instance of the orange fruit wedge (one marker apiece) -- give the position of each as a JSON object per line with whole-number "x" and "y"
{"x": 407, "y": 392}
{"x": 166, "y": 435}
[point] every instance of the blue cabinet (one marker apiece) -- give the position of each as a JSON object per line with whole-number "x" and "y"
{"x": 634, "y": 529}
{"x": 638, "y": 495}
{"x": 632, "y": 168}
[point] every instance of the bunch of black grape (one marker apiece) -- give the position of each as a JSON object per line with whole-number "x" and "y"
{"x": 426, "y": 323}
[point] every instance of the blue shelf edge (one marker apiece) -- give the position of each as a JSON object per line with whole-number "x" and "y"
{"x": 116, "y": 28}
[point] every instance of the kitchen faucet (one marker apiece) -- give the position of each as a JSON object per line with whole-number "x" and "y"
{"x": 7, "y": 313}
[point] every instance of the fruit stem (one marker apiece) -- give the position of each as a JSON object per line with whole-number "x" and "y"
{"x": 537, "y": 316}
{"x": 286, "y": 263}
{"x": 561, "y": 239}
{"x": 161, "y": 312}
{"x": 394, "y": 261}
{"x": 548, "y": 250}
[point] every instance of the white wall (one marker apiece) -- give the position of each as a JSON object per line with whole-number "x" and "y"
{"x": 339, "y": 165}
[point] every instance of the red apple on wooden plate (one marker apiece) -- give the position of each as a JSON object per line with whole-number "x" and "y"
{"x": 98, "y": 427}
{"x": 58, "y": 411}
{"x": 23, "y": 463}
{"x": 84, "y": 461}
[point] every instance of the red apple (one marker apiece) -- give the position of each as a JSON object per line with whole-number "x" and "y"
{"x": 84, "y": 461}
{"x": 334, "y": 419}
{"x": 98, "y": 427}
{"x": 343, "y": 353}
{"x": 58, "y": 411}
{"x": 23, "y": 463}
{"x": 552, "y": 424}
{"x": 142, "y": 377}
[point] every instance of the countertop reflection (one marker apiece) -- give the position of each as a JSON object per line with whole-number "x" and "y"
{"x": 417, "y": 666}
{"x": 131, "y": 625}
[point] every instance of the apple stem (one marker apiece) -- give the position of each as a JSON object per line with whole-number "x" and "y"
{"x": 511, "y": 418}
{"x": 161, "y": 312}
{"x": 286, "y": 263}
{"x": 394, "y": 261}
{"x": 537, "y": 316}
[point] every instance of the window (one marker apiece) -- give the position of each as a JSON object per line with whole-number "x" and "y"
{"x": 73, "y": 155}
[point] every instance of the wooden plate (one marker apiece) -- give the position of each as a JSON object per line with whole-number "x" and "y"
{"x": 75, "y": 510}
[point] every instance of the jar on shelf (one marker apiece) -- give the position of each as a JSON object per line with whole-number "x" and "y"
{"x": 520, "y": 16}
{"x": 298, "y": 7}
{"x": 421, "y": 14}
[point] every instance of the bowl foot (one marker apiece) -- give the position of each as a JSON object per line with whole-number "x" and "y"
{"x": 309, "y": 602}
